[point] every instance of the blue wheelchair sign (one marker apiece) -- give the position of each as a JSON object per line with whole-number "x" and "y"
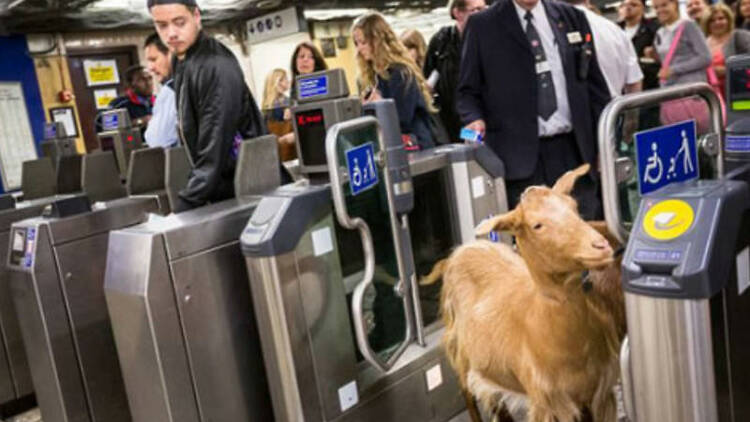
{"x": 666, "y": 155}
{"x": 363, "y": 173}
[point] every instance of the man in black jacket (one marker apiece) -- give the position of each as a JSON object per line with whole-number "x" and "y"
{"x": 443, "y": 59}
{"x": 530, "y": 82}
{"x": 215, "y": 109}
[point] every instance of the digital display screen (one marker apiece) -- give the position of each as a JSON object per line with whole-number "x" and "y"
{"x": 107, "y": 143}
{"x": 739, "y": 88}
{"x": 313, "y": 86}
{"x": 50, "y": 131}
{"x": 110, "y": 121}
{"x": 311, "y": 128}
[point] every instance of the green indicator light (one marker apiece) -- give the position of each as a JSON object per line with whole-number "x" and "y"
{"x": 741, "y": 105}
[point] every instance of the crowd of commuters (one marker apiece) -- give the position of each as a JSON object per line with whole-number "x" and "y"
{"x": 537, "y": 112}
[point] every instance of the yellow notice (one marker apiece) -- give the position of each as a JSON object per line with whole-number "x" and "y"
{"x": 101, "y": 72}
{"x": 668, "y": 219}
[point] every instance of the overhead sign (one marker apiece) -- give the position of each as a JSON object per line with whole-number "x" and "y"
{"x": 666, "y": 155}
{"x": 101, "y": 72}
{"x": 273, "y": 25}
{"x": 363, "y": 174}
{"x": 668, "y": 219}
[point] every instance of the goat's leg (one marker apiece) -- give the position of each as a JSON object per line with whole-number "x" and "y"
{"x": 500, "y": 413}
{"x": 471, "y": 407}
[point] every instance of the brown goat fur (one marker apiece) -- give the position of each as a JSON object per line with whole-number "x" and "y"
{"x": 520, "y": 325}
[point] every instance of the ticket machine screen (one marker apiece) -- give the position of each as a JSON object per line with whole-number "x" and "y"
{"x": 739, "y": 88}
{"x": 311, "y": 128}
{"x": 50, "y": 131}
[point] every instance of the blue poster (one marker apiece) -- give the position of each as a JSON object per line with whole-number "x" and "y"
{"x": 313, "y": 86}
{"x": 363, "y": 173}
{"x": 666, "y": 155}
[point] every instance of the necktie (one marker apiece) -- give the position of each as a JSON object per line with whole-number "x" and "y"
{"x": 547, "y": 101}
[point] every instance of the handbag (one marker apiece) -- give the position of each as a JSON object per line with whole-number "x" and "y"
{"x": 682, "y": 109}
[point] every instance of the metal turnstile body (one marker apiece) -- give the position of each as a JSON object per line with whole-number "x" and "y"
{"x": 179, "y": 301}
{"x": 687, "y": 305}
{"x": 57, "y": 143}
{"x": 120, "y": 137}
{"x": 57, "y": 273}
{"x": 304, "y": 269}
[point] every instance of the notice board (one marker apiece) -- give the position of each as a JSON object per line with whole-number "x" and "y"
{"x": 16, "y": 138}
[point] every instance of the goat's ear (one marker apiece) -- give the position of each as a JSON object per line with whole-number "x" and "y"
{"x": 565, "y": 183}
{"x": 505, "y": 222}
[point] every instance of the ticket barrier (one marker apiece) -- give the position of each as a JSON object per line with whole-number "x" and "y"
{"x": 347, "y": 334}
{"x": 687, "y": 303}
{"x": 119, "y": 136}
{"x": 57, "y": 143}
{"x": 56, "y": 274}
{"x": 15, "y": 377}
{"x": 179, "y": 301}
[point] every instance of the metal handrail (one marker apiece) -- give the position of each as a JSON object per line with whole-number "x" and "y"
{"x": 608, "y": 141}
{"x": 343, "y": 217}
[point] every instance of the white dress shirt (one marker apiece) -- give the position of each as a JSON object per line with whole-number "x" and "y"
{"x": 162, "y": 128}
{"x": 614, "y": 52}
{"x": 561, "y": 120}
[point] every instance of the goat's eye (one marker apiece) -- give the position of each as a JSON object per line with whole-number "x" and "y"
{"x": 537, "y": 226}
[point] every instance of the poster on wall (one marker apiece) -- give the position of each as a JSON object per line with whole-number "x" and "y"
{"x": 16, "y": 138}
{"x": 102, "y": 97}
{"x": 101, "y": 72}
{"x": 66, "y": 116}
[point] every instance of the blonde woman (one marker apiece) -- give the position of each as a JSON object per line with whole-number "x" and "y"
{"x": 415, "y": 44}
{"x": 387, "y": 71}
{"x": 723, "y": 40}
{"x": 275, "y": 107}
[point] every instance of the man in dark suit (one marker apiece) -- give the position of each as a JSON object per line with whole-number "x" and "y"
{"x": 531, "y": 84}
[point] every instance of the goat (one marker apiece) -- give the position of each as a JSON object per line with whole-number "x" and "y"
{"x": 520, "y": 326}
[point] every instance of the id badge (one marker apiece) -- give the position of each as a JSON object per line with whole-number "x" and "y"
{"x": 542, "y": 67}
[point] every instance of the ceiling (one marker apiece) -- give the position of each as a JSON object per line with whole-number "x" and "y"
{"x": 39, "y": 16}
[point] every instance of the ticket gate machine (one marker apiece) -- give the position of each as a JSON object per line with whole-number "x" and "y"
{"x": 322, "y": 101}
{"x": 179, "y": 301}
{"x": 15, "y": 377}
{"x": 56, "y": 264}
{"x": 56, "y": 142}
{"x": 119, "y": 136}
{"x": 347, "y": 335}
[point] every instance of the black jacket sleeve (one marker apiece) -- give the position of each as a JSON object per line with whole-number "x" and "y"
{"x": 470, "y": 76}
{"x": 599, "y": 95}
{"x": 405, "y": 93}
{"x": 218, "y": 93}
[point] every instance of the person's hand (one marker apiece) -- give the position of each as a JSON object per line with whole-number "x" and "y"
{"x": 373, "y": 96}
{"x": 720, "y": 71}
{"x": 650, "y": 52}
{"x": 478, "y": 126}
{"x": 665, "y": 73}
{"x": 287, "y": 139}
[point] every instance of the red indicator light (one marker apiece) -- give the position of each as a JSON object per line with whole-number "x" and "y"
{"x": 130, "y": 138}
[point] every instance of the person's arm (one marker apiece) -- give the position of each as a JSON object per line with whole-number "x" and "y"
{"x": 218, "y": 93}
{"x": 699, "y": 57}
{"x": 470, "y": 85}
{"x": 634, "y": 75}
{"x": 162, "y": 129}
{"x": 599, "y": 94}
{"x": 431, "y": 59}
{"x": 405, "y": 93}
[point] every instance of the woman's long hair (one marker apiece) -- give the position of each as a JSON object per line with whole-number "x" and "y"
{"x": 270, "y": 92}
{"x": 414, "y": 39}
{"x": 387, "y": 50}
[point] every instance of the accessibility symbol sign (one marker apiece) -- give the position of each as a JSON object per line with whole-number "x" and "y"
{"x": 666, "y": 155}
{"x": 363, "y": 173}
